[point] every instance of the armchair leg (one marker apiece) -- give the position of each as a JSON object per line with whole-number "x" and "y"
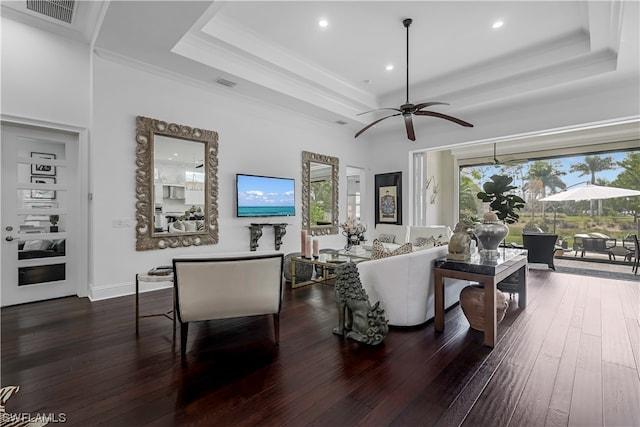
{"x": 276, "y": 327}
{"x": 184, "y": 331}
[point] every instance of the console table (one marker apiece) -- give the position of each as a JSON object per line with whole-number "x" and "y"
{"x": 326, "y": 261}
{"x": 488, "y": 273}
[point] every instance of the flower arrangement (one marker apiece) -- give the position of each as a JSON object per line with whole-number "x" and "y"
{"x": 352, "y": 226}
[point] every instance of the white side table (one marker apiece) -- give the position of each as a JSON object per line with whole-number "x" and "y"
{"x": 148, "y": 278}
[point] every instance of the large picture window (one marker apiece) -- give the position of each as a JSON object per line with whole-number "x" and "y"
{"x": 537, "y": 179}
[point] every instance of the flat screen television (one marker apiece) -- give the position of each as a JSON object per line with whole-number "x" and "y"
{"x": 262, "y": 196}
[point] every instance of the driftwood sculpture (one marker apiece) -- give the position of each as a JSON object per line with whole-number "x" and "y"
{"x": 357, "y": 319}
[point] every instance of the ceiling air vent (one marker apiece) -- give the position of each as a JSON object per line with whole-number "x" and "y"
{"x": 62, "y": 10}
{"x": 225, "y": 82}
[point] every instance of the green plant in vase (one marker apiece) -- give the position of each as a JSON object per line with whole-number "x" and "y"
{"x": 503, "y": 207}
{"x": 53, "y": 219}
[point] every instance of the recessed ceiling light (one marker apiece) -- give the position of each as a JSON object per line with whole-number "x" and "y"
{"x": 497, "y": 25}
{"x": 323, "y": 23}
{"x": 389, "y": 67}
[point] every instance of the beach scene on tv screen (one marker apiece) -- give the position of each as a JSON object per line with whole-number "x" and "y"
{"x": 265, "y": 196}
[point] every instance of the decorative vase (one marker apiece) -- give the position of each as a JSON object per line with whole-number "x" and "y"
{"x": 353, "y": 239}
{"x": 472, "y": 304}
{"x": 490, "y": 233}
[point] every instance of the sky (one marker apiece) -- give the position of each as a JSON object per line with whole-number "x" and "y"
{"x": 574, "y": 178}
{"x": 264, "y": 191}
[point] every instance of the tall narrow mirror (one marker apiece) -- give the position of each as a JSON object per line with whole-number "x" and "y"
{"x": 176, "y": 185}
{"x": 319, "y": 193}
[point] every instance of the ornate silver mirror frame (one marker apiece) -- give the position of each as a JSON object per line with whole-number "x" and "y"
{"x": 308, "y": 162}
{"x": 147, "y": 236}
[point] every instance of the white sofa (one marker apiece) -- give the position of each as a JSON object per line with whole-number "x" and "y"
{"x": 405, "y": 234}
{"x": 404, "y": 285}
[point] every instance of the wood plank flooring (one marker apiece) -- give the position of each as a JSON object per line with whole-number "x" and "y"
{"x": 570, "y": 358}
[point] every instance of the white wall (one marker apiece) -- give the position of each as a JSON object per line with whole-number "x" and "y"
{"x": 252, "y": 139}
{"x": 44, "y": 76}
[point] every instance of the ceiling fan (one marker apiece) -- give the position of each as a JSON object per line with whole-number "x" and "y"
{"x": 408, "y": 110}
{"x": 509, "y": 162}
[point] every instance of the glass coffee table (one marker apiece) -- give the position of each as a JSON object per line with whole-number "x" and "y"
{"x": 326, "y": 262}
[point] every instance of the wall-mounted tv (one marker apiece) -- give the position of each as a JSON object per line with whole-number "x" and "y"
{"x": 260, "y": 196}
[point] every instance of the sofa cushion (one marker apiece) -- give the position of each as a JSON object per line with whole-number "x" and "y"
{"x": 378, "y": 251}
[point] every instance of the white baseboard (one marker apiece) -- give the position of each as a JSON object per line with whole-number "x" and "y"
{"x": 122, "y": 289}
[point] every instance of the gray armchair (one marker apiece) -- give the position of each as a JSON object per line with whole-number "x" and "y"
{"x": 226, "y": 287}
{"x": 540, "y": 247}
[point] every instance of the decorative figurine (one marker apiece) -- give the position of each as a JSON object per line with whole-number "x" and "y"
{"x": 460, "y": 241}
{"x": 356, "y": 317}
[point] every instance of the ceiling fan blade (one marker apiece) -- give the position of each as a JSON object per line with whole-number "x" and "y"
{"x": 428, "y": 104}
{"x": 380, "y": 109}
{"x": 374, "y": 123}
{"x": 408, "y": 123}
{"x": 443, "y": 116}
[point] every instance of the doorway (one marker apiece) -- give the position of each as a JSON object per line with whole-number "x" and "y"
{"x": 355, "y": 185}
{"x": 40, "y": 214}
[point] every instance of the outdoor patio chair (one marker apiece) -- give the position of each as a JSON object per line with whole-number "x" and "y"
{"x": 593, "y": 242}
{"x": 540, "y": 247}
{"x": 636, "y": 262}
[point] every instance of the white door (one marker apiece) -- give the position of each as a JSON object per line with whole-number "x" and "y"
{"x": 39, "y": 210}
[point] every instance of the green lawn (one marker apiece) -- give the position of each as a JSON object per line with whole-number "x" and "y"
{"x": 616, "y": 227}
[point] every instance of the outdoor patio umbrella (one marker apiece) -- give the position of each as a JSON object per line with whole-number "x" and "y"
{"x": 591, "y": 192}
{"x": 588, "y": 192}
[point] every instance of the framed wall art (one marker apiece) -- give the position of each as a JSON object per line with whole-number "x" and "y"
{"x": 39, "y": 169}
{"x": 388, "y": 196}
{"x": 43, "y": 194}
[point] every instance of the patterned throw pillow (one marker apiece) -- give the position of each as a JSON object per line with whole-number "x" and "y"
{"x": 387, "y": 238}
{"x": 425, "y": 242}
{"x": 378, "y": 251}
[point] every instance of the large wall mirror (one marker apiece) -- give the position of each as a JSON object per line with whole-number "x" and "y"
{"x": 319, "y": 194}
{"x": 176, "y": 185}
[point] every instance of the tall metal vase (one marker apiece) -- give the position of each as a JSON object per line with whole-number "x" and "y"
{"x": 490, "y": 233}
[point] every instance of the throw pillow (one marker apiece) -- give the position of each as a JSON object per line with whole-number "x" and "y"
{"x": 189, "y": 226}
{"x": 37, "y": 245}
{"x": 387, "y": 238}
{"x": 378, "y": 251}
{"x": 427, "y": 242}
{"x": 178, "y": 225}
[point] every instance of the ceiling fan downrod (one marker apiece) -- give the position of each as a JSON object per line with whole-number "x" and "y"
{"x": 407, "y": 23}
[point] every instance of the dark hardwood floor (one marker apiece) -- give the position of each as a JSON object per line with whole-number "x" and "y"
{"x": 570, "y": 358}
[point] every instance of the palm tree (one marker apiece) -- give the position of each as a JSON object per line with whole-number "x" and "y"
{"x": 591, "y": 165}
{"x": 545, "y": 174}
{"x": 468, "y": 201}
{"x": 548, "y": 174}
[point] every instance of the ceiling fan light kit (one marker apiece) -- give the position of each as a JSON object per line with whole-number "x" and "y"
{"x": 408, "y": 110}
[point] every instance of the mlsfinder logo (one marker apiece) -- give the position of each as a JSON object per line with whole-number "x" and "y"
{"x": 25, "y": 419}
